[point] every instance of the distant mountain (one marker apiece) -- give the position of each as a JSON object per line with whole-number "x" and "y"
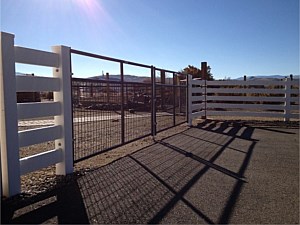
{"x": 128, "y": 78}
{"x": 269, "y": 77}
{"x": 23, "y": 74}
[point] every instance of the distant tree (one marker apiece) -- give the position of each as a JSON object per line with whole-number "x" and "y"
{"x": 192, "y": 70}
{"x": 209, "y": 74}
{"x": 196, "y": 72}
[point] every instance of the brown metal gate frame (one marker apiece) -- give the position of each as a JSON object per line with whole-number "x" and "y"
{"x": 93, "y": 119}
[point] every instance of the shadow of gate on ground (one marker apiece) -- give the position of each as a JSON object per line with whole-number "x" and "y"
{"x": 195, "y": 176}
{"x": 191, "y": 144}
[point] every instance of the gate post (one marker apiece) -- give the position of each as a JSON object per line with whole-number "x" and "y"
{"x": 122, "y": 104}
{"x": 162, "y": 88}
{"x": 174, "y": 98}
{"x": 190, "y": 85}
{"x": 287, "y": 102}
{"x": 63, "y": 72}
{"x": 204, "y": 77}
{"x": 153, "y": 101}
{"x": 10, "y": 164}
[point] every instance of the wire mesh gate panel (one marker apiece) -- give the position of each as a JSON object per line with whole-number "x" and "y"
{"x": 98, "y": 124}
{"x": 181, "y": 103}
{"x": 138, "y": 110}
{"x": 171, "y": 103}
{"x": 98, "y": 121}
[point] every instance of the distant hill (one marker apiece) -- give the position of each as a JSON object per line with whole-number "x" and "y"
{"x": 269, "y": 77}
{"x": 128, "y": 78}
{"x": 23, "y": 74}
{"x": 142, "y": 79}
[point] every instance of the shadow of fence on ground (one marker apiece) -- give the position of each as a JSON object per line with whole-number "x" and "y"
{"x": 195, "y": 176}
{"x": 62, "y": 205}
{"x": 196, "y": 151}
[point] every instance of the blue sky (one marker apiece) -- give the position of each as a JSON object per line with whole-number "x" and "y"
{"x": 235, "y": 37}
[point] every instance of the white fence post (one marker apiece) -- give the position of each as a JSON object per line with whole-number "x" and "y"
{"x": 10, "y": 164}
{"x": 190, "y": 86}
{"x": 205, "y": 100}
{"x": 287, "y": 104}
{"x": 65, "y": 119}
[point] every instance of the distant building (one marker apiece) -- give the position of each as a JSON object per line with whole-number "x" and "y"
{"x": 28, "y": 96}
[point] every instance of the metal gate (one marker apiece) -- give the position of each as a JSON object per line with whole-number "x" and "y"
{"x": 108, "y": 114}
{"x": 171, "y": 100}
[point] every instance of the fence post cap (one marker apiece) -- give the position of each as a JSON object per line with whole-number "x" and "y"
{"x": 3, "y": 34}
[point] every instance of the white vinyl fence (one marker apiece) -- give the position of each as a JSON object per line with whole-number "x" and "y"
{"x": 12, "y": 166}
{"x": 260, "y": 98}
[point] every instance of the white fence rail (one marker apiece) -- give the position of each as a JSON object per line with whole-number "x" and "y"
{"x": 278, "y": 99}
{"x": 12, "y": 166}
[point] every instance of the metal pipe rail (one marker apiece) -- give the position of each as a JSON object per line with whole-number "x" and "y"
{"x": 88, "y": 54}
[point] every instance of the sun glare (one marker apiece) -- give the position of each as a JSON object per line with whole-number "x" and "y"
{"x": 92, "y": 9}
{"x": 95, "y": 13}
